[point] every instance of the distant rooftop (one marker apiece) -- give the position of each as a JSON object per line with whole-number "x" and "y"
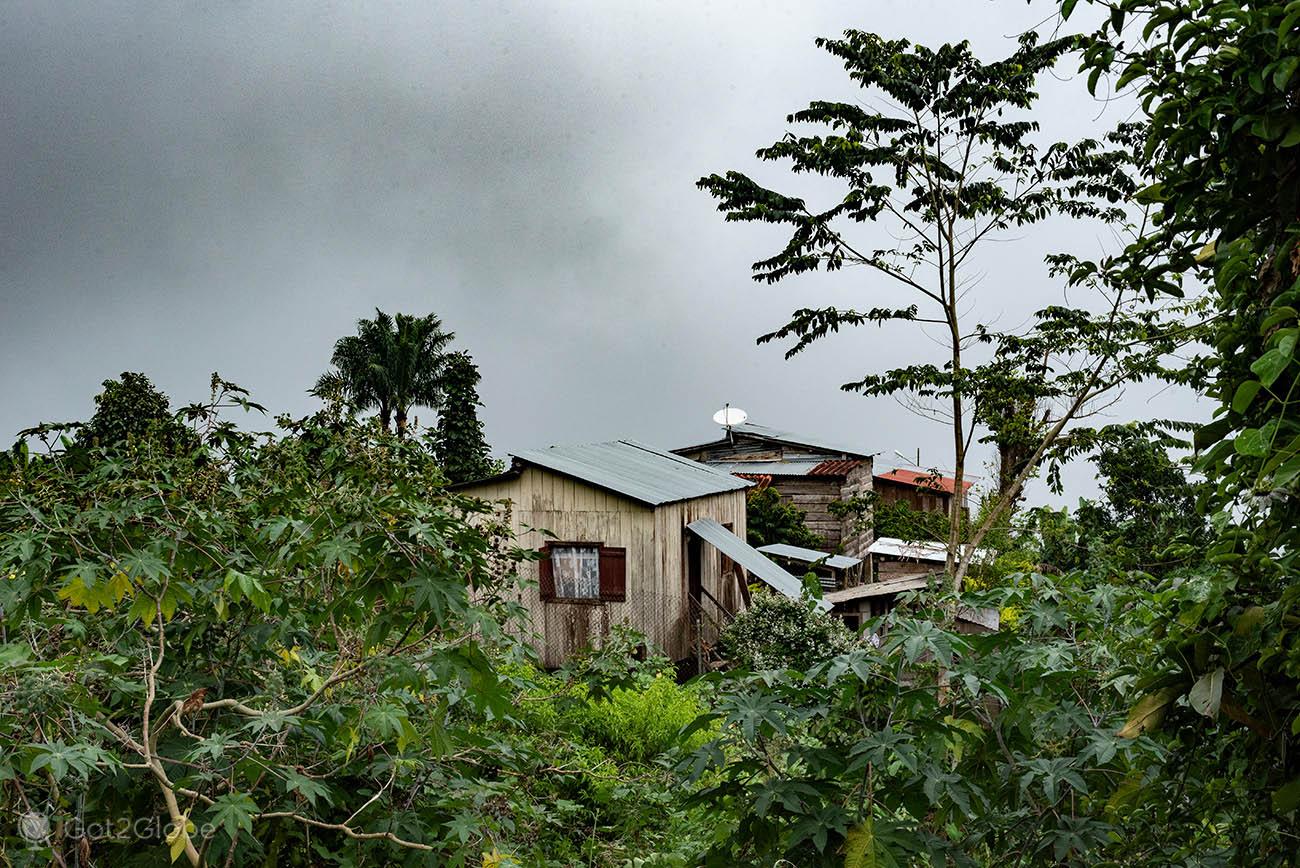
{"x": 925, "y": 480}
{"x": 635, "y": 470}
{"x": 917, "y": 550}
{"x": 830, "y": 447}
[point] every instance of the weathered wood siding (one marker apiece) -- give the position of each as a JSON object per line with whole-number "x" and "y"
{"x": 814, "y": 495}
{"x": 656, "y": 601}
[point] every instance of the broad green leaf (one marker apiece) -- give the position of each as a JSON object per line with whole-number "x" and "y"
{"x": 1285, "y": 69}
{"x": 1207, "y": 693}
{"x": 1251, "y": 443}
{"x": 233, "y": 812}
{"x": 310, "y": 789}
{"x": 1148, "y": 713}
{"x": 1270, "y": 366}
{"x": 1287, "y": 797}
{"x": 1245, "y": 394}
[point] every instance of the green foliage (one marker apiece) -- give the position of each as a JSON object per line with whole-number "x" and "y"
{"x": 900, "y": 521}
{"x": 776, "y": 632}
{"x": 1217, "y": 83}
{"x": 131, "y": 409}
{"x": 458, "y": 440}
{"x": 942, "y": 748}
{"x": 637, "y": 725}
{"x": 389, "y": 365}
{"x": 264, "y": 632}
{"x": 769, "y": 519}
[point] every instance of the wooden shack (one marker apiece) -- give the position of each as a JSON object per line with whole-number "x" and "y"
{"x": 810, "y": 472}
{"x": 628, "y": 534}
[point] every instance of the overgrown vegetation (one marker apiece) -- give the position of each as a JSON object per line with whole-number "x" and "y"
{"x": 296, "y": 648}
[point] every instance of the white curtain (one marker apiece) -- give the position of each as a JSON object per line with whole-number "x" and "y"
{"x": 577, "y": 571}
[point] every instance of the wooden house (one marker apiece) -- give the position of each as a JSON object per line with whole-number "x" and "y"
{"x": 809, "y": 472}
{"x": 629, "y": 534}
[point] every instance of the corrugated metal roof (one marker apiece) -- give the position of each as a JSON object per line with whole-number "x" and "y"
{"x": 809, "y": 556}
{"x": 635, "y": 470}
{"x": 990, "y": 619}
{"x": 750, "y": 558}
{"x": 798, "y": 439}
{"x": 921, "y": 550}
{"x": 789, "y": 437}
{"x": 767, "y": 468}
{"x": 835, "y": 468}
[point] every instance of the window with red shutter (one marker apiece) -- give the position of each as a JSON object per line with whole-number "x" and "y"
{"x": 546, "y": 575}
{"x": 586, "y": 572}
{"x": 613, "y": 573}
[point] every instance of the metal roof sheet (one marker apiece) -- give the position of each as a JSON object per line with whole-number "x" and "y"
{"x": 809, "y": 556}
{"x": 750, "y": 558}
{"x": 835, "y": 467}
{"x": 635, "y": 470}
{"x": 829, "y": 447}
{"x": 798, "y": 439}
{"x": 921, "y": 550}
{"x": 767, "y": 468}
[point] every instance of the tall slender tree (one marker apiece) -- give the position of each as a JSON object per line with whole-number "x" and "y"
{"x": 458, "y": 441}
{"x": 943, "y": 154}
{"x": 391, "y": 364}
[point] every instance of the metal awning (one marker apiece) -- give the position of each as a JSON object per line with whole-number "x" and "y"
{"x": 750, "y": 559}
{"x": 810, "y": 556}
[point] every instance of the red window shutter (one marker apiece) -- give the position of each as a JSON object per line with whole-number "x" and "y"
{"x": 546, "y": 575}
{"x": 613, "y": 573}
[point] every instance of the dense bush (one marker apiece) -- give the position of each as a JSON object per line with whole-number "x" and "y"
{"x": 639, "y": 724}
{"x": 777, "y": 632}
{"x": 769, "y": 520}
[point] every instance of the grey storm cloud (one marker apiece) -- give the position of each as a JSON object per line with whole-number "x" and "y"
{"x": 228, "y": 186}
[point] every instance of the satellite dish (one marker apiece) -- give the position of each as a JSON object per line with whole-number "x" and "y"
{"x": 729, "y": 415}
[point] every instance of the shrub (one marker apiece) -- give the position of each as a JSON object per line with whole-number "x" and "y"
{"x": 638, "y": 725}
{"x": 777, "y": 632}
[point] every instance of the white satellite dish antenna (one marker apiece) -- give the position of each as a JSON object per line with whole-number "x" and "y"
{"x": 729, "y": 415}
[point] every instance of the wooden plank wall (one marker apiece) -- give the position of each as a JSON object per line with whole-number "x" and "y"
{"x": 814, "y": 495}
{"x": 656, "y": 601}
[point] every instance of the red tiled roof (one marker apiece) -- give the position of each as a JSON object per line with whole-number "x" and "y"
{"x": 834, "y": 468}
{"x": 923, "y": 479}
{"x": 763, "y": 480}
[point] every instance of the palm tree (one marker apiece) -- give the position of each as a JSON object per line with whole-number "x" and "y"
{"x": 391, "y": 364}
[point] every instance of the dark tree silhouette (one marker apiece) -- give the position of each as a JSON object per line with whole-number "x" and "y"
{"x": 458, "y": 441}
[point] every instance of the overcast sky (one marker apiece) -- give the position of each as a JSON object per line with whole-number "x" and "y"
{"x": 227, "y": 186}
